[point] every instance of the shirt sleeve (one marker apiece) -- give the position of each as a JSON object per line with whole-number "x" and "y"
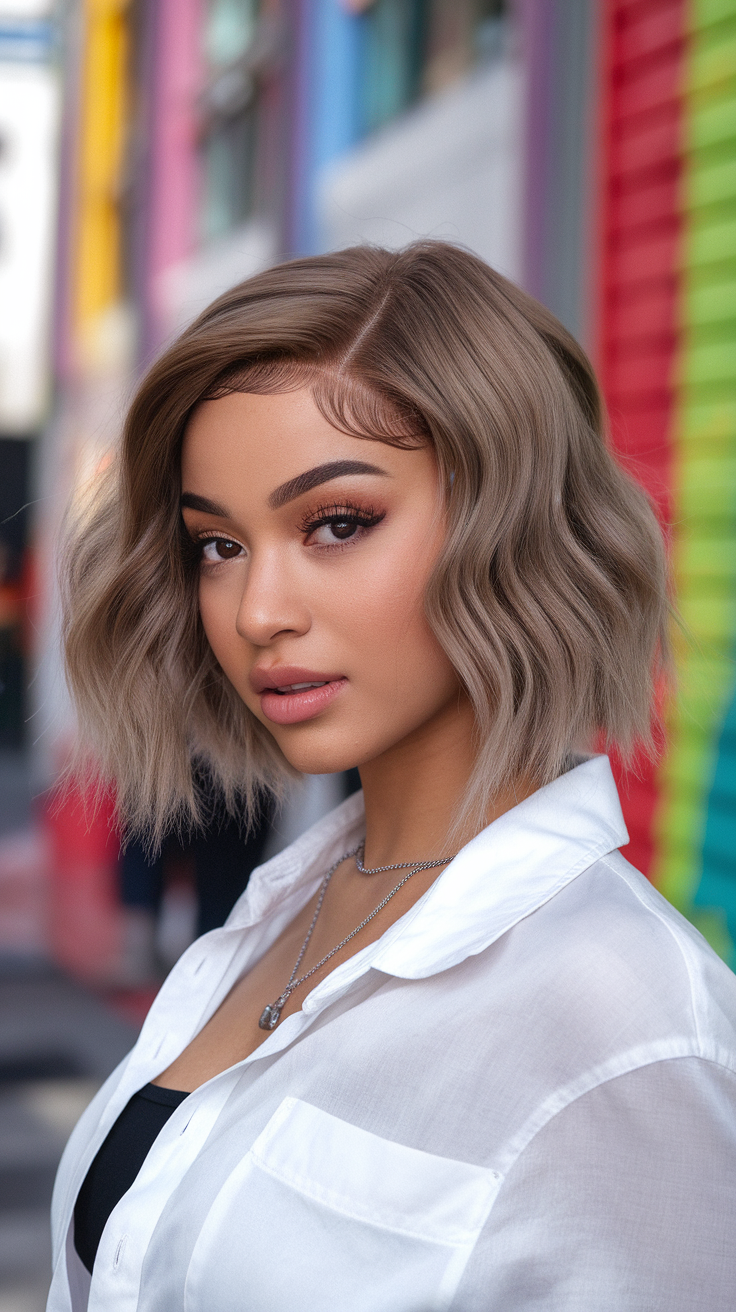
{"x": 624, "y": 1202}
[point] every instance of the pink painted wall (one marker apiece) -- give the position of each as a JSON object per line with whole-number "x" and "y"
{"x": 177, "y": 77}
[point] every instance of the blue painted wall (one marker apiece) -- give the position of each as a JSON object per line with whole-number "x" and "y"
{"x": 330, "y": 42}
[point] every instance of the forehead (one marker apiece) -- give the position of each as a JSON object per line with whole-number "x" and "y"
{"x": 254, "y": 443}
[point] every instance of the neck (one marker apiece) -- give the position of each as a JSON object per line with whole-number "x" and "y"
{"x": 413, "y": 792}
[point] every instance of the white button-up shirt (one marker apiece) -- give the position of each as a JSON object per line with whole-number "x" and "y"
{"x": 522, "y": 1096}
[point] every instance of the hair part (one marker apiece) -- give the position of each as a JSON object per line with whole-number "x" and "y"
{"x": 549, "y": 596}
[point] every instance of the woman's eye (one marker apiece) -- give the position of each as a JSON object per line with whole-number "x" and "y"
{"x": 339, "y": 529}
{"x": 217, "y": 549}
{"x": 329, "y": 530}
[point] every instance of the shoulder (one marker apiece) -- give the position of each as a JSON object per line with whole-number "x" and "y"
{"x": 678, "y": 963}
{"x": 626, "y": 979}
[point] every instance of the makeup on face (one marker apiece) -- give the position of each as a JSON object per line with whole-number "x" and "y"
{"x": 315, "y": 548}
{"x": 290, "y": 694}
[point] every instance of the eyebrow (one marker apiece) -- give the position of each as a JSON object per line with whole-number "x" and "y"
{"x": 296, "y": 487}
{"x": 191, "y": 501}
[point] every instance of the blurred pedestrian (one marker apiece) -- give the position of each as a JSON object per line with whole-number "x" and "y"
{"x": 11, "y": 655}
{"x": 217, "y": 857}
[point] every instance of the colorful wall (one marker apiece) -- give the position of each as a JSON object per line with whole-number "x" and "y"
{"x": 629, "y": 234}
{"x": 667, "y": 354}
{"x": 93, "y": 352}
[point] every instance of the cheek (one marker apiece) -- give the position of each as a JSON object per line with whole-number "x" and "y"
{"x": 382, "y": 591}
{"x": 383, "y": 611}
{"x": 218, "y": 611}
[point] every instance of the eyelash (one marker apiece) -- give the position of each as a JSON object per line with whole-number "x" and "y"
{"x": 344, "y": 512}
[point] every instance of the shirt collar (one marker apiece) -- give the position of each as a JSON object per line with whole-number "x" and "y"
{"x": 507, "y": 871}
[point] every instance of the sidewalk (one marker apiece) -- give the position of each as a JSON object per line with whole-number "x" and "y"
{"x": 57, "y": 1045}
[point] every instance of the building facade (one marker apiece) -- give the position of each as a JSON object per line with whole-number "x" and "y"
{"x": 29, "y": 125}
{"x": 586, "y": 149}
{"x": 667, "y": 353}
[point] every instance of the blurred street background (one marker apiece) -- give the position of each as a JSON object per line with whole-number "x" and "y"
{"x": 155, "y": 152}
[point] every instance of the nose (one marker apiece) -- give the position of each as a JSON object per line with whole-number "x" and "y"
{"x": 272, "y": 604}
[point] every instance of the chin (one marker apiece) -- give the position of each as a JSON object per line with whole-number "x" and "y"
{"x": 314, "y": 757}
{"x": 307, "y": 754}
{"x": 319, "y": 762}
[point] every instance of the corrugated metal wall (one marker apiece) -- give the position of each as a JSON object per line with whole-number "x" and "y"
{"x": 697, "y": 825}
{"x": 641, "y": 238}
{"x": 668, "y": 364}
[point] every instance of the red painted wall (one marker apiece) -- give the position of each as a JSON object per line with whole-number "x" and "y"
{"x": 642, "y": 68}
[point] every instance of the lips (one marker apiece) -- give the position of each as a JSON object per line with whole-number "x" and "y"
{"x": 290, "y": 694}
{"x": 298, "y": 687}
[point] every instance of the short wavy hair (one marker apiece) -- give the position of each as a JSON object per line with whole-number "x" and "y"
{"x": 549, "y": 596}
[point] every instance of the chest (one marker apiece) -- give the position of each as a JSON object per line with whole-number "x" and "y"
{"x": 342, "y": 1147}
{"x": 308, "y": 949}
{"x": 326, "y": 1170}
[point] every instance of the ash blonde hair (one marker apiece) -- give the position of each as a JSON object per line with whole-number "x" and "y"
{"x": 549, "y": 596}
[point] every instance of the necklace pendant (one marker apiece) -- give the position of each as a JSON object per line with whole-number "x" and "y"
{"x": 271, "y": 1015}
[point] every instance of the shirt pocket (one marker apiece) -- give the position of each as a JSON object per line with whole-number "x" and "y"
{"x": 321, "y": 1216}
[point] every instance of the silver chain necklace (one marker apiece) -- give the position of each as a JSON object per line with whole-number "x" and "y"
{"x": 271, "y": 1014}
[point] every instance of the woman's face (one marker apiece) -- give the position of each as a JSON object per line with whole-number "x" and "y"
{"x": 316, "y": 548}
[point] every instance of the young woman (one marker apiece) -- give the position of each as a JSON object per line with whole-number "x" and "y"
{"x": 450, "y": 1049}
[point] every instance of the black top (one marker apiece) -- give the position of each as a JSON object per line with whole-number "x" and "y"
{"x": 118, "y": 1162}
